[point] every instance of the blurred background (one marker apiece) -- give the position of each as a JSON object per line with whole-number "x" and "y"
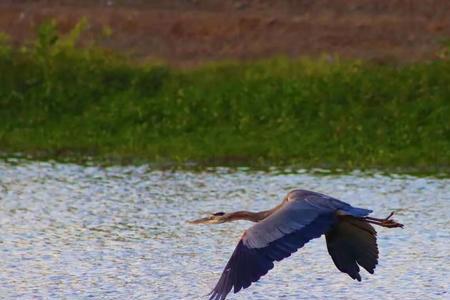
{"x": 187, "y": 32}
{"x": 334, "y": 84}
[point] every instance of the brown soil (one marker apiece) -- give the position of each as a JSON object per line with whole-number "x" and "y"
{"x": 186, "y": 32}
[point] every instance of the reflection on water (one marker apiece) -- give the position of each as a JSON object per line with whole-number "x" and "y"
{"x": 69, "y": 231}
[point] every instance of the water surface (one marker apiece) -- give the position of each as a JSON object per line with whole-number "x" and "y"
{"x": 80, "y": 232}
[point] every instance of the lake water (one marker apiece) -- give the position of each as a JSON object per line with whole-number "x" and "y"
{"x": 81, "y": 232}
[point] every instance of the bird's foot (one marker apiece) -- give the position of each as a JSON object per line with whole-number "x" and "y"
{"x": 386, "y": 222}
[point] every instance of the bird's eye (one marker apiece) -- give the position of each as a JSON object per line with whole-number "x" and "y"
{"x": 219, "y": 213}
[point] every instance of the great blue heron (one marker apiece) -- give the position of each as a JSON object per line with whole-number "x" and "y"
{"x": 282, "y": 230}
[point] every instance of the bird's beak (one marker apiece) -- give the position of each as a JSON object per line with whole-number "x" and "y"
{"x": 206, "y": 220}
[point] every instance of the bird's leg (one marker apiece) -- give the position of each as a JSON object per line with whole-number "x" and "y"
{"x": 386, "y": 222}
{"x": 380, "y": 220}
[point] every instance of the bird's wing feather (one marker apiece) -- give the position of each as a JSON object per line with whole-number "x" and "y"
{"x": 303, "y": 217}
{"x": 353, "y": 242}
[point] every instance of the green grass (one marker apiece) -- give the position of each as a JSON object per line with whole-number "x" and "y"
{"x": 60, "y": 100}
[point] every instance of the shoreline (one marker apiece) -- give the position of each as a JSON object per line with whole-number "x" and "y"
{"x": 61, "y": 100}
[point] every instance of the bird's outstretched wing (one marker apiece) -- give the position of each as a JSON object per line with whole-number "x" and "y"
{"x": 303, "y": 216}
{"x": 353, "y": 242}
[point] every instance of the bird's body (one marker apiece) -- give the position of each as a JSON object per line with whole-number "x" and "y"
{"x": 279, "y": 232}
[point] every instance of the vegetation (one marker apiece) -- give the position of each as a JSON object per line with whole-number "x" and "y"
{"x": 61, "y": 100}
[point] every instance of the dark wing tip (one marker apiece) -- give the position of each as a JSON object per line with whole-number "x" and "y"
{"x": 352, "y": 243}
{"x": 244, "y": 267}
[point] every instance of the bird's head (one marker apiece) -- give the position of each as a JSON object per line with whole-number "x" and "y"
{"x": 215, "y": 218}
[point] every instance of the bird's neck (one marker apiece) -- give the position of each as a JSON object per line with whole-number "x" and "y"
{"x": 246, "y": 215}
{"x": 251, "y": 216}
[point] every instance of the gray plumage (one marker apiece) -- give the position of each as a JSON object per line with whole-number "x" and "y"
{"x": 279, "y": 232}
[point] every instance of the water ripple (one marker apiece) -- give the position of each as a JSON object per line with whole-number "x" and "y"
{"x": 70, "y": 231}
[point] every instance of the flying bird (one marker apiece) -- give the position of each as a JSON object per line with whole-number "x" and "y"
{"x": 279, "y": 232}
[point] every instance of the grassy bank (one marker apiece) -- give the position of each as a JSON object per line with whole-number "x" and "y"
{"x": 60, "y": 100}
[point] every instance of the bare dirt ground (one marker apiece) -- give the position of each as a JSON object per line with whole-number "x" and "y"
{"x": 187, "y": 32}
